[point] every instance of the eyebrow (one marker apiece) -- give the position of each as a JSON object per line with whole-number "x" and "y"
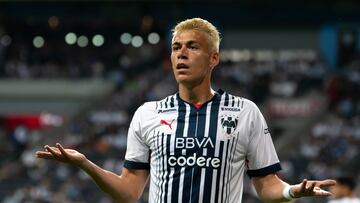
{"x": 190, "y": 42}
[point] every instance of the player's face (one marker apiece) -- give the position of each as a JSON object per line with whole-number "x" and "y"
{"x": 192, "y": 58}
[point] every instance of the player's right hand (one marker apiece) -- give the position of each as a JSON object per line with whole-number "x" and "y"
{"x": 58, "y": 153}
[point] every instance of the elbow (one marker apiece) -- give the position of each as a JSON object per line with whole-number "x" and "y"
{"x": 128, "y": 199}
{"x": 137, "y": 195}
{"x": 131, "y": 197}
{"x": 270, "y": 198}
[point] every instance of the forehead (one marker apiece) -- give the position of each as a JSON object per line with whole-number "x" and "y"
{"x": 189, "y": 35}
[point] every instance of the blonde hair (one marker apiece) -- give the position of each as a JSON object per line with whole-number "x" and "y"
{"x": 200, "y": 24}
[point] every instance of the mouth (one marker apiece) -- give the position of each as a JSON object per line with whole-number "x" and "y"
{"x": 181, "y": 66}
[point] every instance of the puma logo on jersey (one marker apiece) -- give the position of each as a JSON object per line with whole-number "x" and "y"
{"x": 167, "y": 123}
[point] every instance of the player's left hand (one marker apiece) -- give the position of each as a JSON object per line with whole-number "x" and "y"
{"x": 312, "y": 188}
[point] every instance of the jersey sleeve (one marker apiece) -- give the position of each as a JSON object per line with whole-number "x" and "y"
{"x": 261, "y": 156}
{"x": 137, "y": 151}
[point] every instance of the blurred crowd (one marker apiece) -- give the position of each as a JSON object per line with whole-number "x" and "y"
{"x": 100, "y": 133}
{"x": 330, "y": 149}
{"x": 58, "y": 60}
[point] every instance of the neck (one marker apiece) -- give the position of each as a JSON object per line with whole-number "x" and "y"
{"x": 197, "y": 94}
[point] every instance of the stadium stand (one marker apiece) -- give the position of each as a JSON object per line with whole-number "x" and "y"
{"x": 312, "y": 110}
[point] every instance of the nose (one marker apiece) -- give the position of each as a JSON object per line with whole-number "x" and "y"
{"x": 182, "y": 54}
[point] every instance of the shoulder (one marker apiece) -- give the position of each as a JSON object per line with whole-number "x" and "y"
{"x": 243, "y": 103}
{"x": 146, "y": 110}
{"x": 152, "y": 107}
{"x": 248, "y": 104}
{"x": 148, "y": 106}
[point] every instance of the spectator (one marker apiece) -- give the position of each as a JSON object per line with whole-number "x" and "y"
{"x": 343, "y": 191}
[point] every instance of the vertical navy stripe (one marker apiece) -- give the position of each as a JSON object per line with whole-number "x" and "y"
{"x": 214, "y": 113}
{"x": 166, "y": 101}
{"x": 195, "y": 190}
{"x": 233, "y": 101}
{"x": 167, "y": 167}
{"x": 164, "y": 183}
{"x": 242, "y": 103}
{"x": 232, "y": 160}
{"x": 161, "y": 164}
{"x": 218, "y": 173}
{"x": 230, "y": 169}
{"x": 225, "y": 162}
{"x": 189, "y": 170}
{"x": 226, "y": 99}
{"x": 177, "y": 153}
{"x": 238, "y": 102}
{"x": 157, "y": 164}
{"x": 172, "y": 102}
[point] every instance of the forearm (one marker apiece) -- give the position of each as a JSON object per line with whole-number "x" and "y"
{"x": 125, "y": 188}
{"x": 117, "y": 187}
{"x": 271, "y": 189}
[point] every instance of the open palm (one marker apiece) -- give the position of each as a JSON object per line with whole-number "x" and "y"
{"x": 312, "y": 188}
{"x": 58, "y": 153}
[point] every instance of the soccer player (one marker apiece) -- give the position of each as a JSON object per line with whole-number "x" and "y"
{"x": 343, "y": 191}
{"x": 196, "y": 144}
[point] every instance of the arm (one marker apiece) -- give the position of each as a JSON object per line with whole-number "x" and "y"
{"x": 261, "y": 155}
{"x": 127, "y": 187}
{"x": 270, "y": 188}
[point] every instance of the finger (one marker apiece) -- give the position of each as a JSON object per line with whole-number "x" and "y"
{"x": 62, "y": 150}
{"x": 321, "y": 192}
{"x": 326, "y": 183}
{"x": 303, "y": 185}
{"x": 44, "y": 155}
{"x": 46, "y": 148}
{"x": 312, "y": 186}
{"x": 53, "y": 152}
{"x": 54, "y": 149}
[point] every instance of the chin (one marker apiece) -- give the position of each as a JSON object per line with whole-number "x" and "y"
{"x": 188, "y": 83}
{"x": 183, "y": 80}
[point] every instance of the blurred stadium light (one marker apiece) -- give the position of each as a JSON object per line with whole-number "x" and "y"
{"x": 126, "y": 38}
{"x": 38, "y": 41}
{"x": 137, "y": 41}
{"x": 70, "y": 38}
{"x": 98, "y": 40}
{"x": 153, "y": 38}
{"x": 82, "y": 41}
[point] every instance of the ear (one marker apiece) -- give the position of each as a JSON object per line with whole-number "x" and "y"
{"x": 214, "y": 59}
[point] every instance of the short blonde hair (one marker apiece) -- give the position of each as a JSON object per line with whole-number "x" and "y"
{"x": 202, "y": 25}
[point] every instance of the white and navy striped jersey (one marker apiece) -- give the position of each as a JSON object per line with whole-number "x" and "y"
{"x": 200, "y": 153}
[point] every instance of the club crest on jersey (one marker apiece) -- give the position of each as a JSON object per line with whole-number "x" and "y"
{"x": 229, "y": 124}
